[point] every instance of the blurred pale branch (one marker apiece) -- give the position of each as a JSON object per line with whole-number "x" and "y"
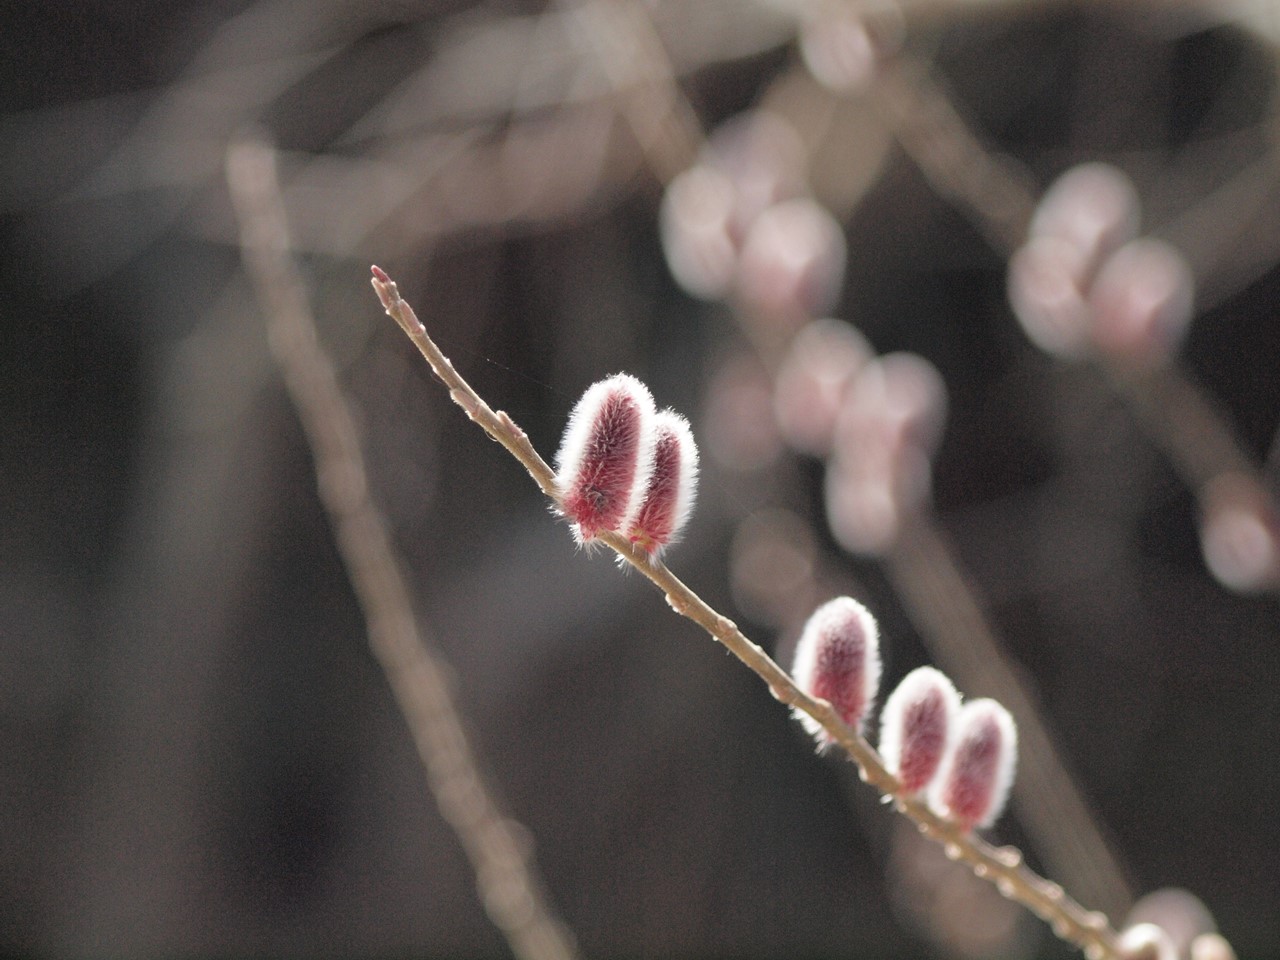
{"x": 509, "y": 887}
{"x": 485, "y": 72}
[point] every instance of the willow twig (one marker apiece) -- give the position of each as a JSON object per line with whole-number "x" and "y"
{"x": 1002, "y": 866}
{"x": 959, "y": 167}
{"x": 511, "y": 892}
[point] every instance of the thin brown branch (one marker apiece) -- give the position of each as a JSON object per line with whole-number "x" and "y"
{"x": 509, "y": 888}
{"x": 1090, "y": 931}
{"x": 925, "y": 575}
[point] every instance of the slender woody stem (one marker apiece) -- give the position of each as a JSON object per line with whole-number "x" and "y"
{"x": 512, "y": 893}
{"x": 1002, "y": 866}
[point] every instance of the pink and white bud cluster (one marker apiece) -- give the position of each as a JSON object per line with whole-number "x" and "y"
{"x": 972, "y": 785}
{"x": 1086, "y": 282}
{"x": 916, "y": 726}
{"x": 877, "y": 420}
{"x": 672, "y": 485}
{"x": 962, "y": 756}
{"x": 880, "y": 469}
{"x": 837, "y": 659}
{"x": 739, "y": 223}
{"x": 624, "y": 468}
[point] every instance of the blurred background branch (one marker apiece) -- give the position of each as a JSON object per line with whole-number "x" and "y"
{"x": 508, "y": 883}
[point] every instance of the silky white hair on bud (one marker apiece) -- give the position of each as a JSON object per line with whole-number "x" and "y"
{"x": 916, "y": 726}
{"x": 672, "y": 487}
{"x": 838, "y": 660}
{"x": 606, "y": 456}
{"x": 977, "y": 772}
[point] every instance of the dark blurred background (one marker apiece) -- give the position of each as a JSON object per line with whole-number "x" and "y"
{"x": 199, "y": 755}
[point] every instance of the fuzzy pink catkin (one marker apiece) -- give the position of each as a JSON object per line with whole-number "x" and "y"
{"x": 916, "y": 726}
{"x": 606, "y": 456}
{"x": 821, "y": 364}
{"x": 838, "y": 660}
{"x": 793, "y": 262}
{"x": 672, "y": 485}
{"x": 977, "y": 772}
{"x": 1142, "y": 300}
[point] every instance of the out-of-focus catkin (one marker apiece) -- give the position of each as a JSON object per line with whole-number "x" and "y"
{"x": 1145, "y": 941}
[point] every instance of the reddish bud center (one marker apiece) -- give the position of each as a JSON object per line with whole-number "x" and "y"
{"x": 600, "y": 496}
{"x": 657, "y": 519}
{"x": 969, "y": 789}
{"x": 838, "y": 678}
{"x": 923, "y": 738}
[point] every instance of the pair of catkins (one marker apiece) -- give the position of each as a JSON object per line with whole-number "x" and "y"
{"x": 624, "y": 468}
